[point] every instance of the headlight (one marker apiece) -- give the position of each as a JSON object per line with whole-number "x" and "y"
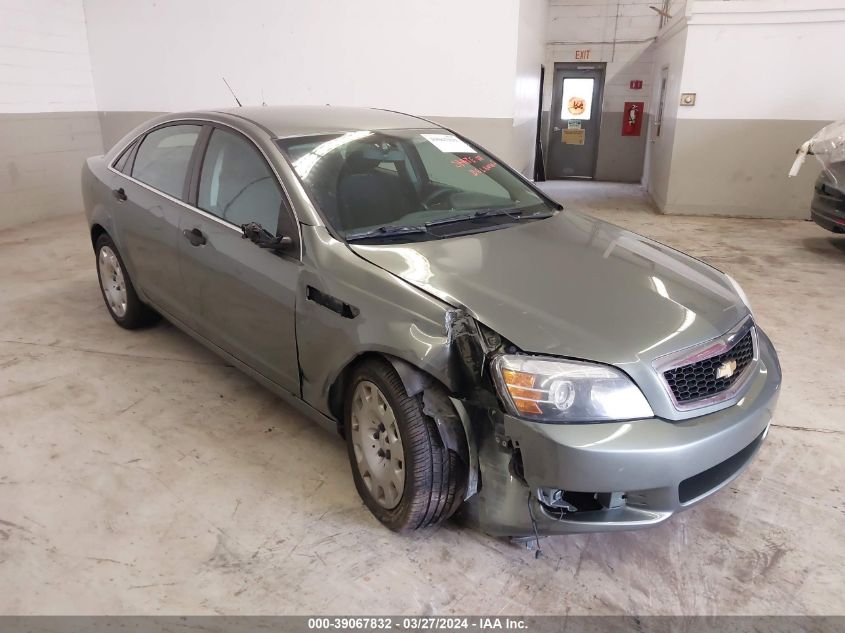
{"x": 739, "y": 291}
{"x": 552, "y": 390}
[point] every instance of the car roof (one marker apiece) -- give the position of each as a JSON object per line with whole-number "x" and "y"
{"x": 285, "y": 121}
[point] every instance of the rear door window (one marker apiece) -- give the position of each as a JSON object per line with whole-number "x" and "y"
{"x": 236, "y": 183}
{"x": 163, "y": 157}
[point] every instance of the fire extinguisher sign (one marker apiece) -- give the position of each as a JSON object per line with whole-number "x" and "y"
{"x": 632, "y": 118}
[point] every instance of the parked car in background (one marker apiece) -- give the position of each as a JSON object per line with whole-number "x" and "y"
{"x": 479, "y": 348}
{"x": 828, "y": 147}
{"x": 828, "y": 206}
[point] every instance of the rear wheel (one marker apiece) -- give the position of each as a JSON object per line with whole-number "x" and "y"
{"x": 118, "y": 292}
{"x": 404, "y": 474}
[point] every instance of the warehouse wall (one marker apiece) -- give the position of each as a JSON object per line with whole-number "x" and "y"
{"x": 530, "y": 54}
{"x": 622, "y": 35}
{"x": 48, "y": 119}
{"x": 766, "y": 78}
{"x": 443, "y": 60}
{"x": 669, "y": 59}
{"x": 511, "y": 138}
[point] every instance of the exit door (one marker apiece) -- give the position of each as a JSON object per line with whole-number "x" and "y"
{"x": 574, "y": 120}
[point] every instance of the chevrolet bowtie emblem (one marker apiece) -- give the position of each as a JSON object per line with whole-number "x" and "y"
{"x": 726, "y": 369}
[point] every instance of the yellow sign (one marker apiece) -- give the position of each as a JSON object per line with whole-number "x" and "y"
{"x": 574, "y": 137}
{"x": 576, "y": 106}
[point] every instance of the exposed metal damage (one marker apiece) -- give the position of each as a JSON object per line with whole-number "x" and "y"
{"x": 497, "y": 454}
{"x": 524, "y": 478}
{"x": 464, "y": 417}
{"x": 531, "y": 477}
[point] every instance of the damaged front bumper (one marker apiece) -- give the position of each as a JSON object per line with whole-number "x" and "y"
{"x": 614, "y": 476}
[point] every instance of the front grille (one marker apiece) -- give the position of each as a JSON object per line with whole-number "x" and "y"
{"x": 700, "y": 379}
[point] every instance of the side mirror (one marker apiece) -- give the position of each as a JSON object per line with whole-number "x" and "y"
{"x": 262, "y": 238}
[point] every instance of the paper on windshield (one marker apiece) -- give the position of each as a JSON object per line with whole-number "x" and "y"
{"x": 448, "y": 143}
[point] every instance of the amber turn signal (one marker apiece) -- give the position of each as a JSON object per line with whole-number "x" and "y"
{"x": 521, "y": 389}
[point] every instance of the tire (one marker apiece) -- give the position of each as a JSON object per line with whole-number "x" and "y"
{"x": 434, "y": 477}
{"x": 119, "y": 294}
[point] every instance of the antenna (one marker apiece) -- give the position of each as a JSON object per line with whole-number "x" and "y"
{"x": 233, "y": 92}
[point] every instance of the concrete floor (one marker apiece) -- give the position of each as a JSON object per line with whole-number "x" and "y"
{"x": 139, "y": 474}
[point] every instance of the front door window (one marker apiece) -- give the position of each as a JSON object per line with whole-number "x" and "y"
{"x": 236, "y": 184}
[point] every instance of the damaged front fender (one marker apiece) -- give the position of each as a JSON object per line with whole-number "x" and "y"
{"x": 448, "y": 413}
{"x": 439, "y": 351}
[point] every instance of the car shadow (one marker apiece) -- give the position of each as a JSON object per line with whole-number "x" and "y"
{"x": 832, "y": 246}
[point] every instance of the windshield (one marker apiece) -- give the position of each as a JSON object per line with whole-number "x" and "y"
{"x": 409, "y": 184}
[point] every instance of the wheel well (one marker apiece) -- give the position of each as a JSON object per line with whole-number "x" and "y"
{"x": 340, "y": 384}
{"x": 435, "y": 399}
{"x": 96, "y": 232}
{"x": 410, "y": 375}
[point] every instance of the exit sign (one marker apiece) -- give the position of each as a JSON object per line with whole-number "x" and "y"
{"x": 582, "y": 55}
{"x": 636, "y": 84}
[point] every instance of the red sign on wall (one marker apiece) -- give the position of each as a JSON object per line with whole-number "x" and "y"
{"x": 636, "y": 84}
{"x": 582, "y": 55}
{"x": 632, "y": 118}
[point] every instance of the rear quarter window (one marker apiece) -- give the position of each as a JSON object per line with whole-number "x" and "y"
{"x": 121, "y": 163}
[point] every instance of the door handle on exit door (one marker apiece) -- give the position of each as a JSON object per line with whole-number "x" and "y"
{"x": 195, "y": 237}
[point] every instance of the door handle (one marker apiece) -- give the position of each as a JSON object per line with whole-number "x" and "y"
{"x": 120, "y": 194}
{"x": 195, "y": 237}
{"x": 557, "y": 129}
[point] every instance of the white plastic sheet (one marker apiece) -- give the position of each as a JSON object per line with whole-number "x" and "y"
{"x": 827, "y": 145}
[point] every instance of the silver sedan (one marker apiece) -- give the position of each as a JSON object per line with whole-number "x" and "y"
{"x": 481, "y": 349}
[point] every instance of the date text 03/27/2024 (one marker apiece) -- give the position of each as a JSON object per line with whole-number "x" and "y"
{"x": 417, "y": 623}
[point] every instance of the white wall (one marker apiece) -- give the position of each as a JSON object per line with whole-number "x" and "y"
{"x": 617, "y": 33}
{"x": 669, "y": 55}
{"x": 472, "y": 68}
{"x": 786, "y": 50}
{"x": 45, "y": 64}
{"x": 48, "y": 120}
{"x": 435, "y": 58}
{"x": 621, "y": 35}
{"x": 766, "y": 77}
{"x": 530, "y": 55}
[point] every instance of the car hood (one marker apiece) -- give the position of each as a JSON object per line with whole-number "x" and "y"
{"x": 573, "y": 286}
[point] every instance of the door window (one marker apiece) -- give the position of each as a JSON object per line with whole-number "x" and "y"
{"x": 163, "y": 157}
{"x": 236, "y": 184}
{"x": 577, "y": 102}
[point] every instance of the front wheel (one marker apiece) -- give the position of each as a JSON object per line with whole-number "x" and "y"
{"x": 118, "y": 292}
{"x": 404, "y": 474}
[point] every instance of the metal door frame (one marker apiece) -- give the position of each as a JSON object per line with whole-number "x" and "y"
{"x": 557, "y": 96}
